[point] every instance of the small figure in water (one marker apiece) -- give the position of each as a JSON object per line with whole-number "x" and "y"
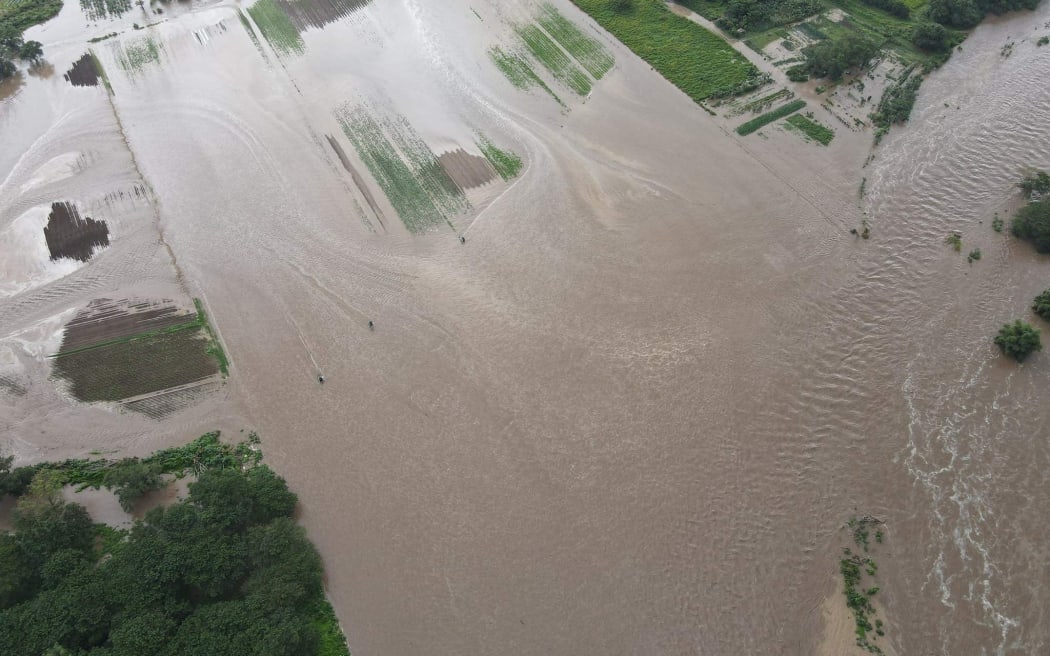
{"x": 462, "y": 239}
{"x": 320, "y": 379}
{"x": 371, "y": 326}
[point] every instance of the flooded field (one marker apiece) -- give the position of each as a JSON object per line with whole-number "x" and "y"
{"x": 632, "y": 409}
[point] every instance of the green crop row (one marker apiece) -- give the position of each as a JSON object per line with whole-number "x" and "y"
{"x": 765, "y": 119}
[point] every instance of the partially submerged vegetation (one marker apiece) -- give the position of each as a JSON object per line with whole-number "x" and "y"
{"x": 136, "y": 55}
{"x": 1032, "y": 222}
{"x": 516, "y": 68}
{"x": 767, "y": 118}
{"x": 858, "y": 576}
{"x": 277, "y": 27}
{"x": 110, "y": 360}
{"x": 408, "y": 172}
{"x": 811, "y": 129}
{"x": 1041, "y": 305}
{"x": 695, "y": 60}
{"x": 586, "y": 50}
{"x": 1018, "y": 340}
{"x": 506, "y": 163}
{"x": 544, "y": 49}
{"x": 226, "y": 571}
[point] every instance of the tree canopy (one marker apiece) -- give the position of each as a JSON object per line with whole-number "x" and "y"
{"x": 225, "y": 572}
{"x": 1032, "y": 223}
{"x": 832, "y": 58}
{"x": 1018, "y": 340}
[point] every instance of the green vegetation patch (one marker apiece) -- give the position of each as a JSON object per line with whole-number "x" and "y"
{"x": 1018, "y": 340}
{"x": 858, "y": 574}
{"x": 405, "y": 168}
{"x": 1041, "y": 305}
{"x": 226, "y": 571}
{"x": 591, "y": 54}
{"x": 506, "y": 163}
{"x": 765, "y": 119}
{"x": 99, "y": 9}
{"x": 811, "y": 128}
{"x": 16, "y": 16}
{"x": 695, "y": 60}
{"x": 518, "y": 70}
{"x": 278, "y": 29}
{"x": 554, "y": 59}
{"x": 1032, "y": 224}
{"x": 137, "y": 55}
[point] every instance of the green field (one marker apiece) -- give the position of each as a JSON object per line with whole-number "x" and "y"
{"x": 277, "y": 28}
{"x": 811, "y": 129}
{"x": 591, "y": 54}
{"x": 695, "y": 60}
{"x": 765, "y": 119}
{"x": 554, "y": 59}
{"x": 20, "y": 15}
{"x": 405, "y": 168}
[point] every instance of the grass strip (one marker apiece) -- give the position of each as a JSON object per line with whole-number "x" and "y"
{"x": 277, "y": 27}
{"x": 214, "y": 348}
{"x": 506, "y": 163}
{"x": 587, "y": 51}
{"x": 811, "y": 129}
{"x": 101, "y": 71}
{"x": 554, "y": 59}
{"x": 695, "y": 60}
{"x": 767, "y": 118}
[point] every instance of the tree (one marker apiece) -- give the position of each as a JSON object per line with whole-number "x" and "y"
{"x": 962, "y": 14}
{"x": 1032, "y": 223}
{"x": 1018, "y": 340}
{"x": 931, "y": 37}
{"x": 1041, "y": 305}
{"x": 132, "y": 479}
{"x": 1036, "y": 183}
{"x": 31, "y": 51}
{"x": 833, "y": 57}
{"x": 7, "y": 69}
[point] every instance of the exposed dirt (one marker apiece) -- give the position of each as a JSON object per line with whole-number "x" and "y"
{"x": 105, "y": 319}
{"x": 69, "y": 235}
{"x": 83, "y": 73}
{"x": 466, "y": 170}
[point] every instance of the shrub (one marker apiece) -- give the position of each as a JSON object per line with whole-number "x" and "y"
{"x": 7, "y": 69}
{"x": 897, "y": 102}
{"x": 962, "y": 14}
{"x": 891, "y": 7}
{"x": 931, "y": 37}
{"x": 1032, "y": 223}
{"x": 1041, "y": 305}
{"x": 1018, "y": 340}
{"x": 1036, "y": 183}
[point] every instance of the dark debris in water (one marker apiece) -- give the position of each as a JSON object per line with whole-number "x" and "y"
{"x": 318, "y": 13}
{"x": 84, "y": 73}
{"x": 68, "y": 235}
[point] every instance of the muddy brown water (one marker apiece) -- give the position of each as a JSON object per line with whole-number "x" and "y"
{"x": 631, "y": 414}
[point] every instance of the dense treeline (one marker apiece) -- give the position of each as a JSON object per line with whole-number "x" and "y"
{"x": 892, "y": 7}
{"x": 965, "y": 14}
{"x": 1032, "y": 222}
{"x": 226, "y": 572}
{"x": 753, "y": 15}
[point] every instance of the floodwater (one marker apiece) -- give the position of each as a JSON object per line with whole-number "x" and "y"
{"x": 631, "y": 413}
